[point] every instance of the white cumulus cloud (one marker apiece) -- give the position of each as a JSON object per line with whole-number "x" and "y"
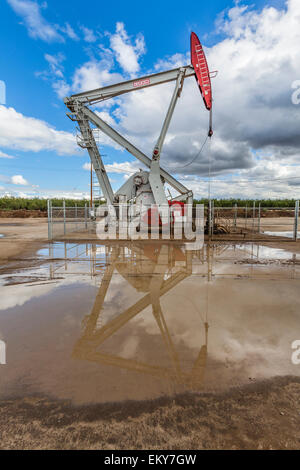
{"x": 30, "y": 134}
{"x": 93, "y": 74}
{"x": 124, "y": 167}
{"x": 127, "y": 52}
{"x": 88, "y": 34}
{"x": 255, "y": 121}
{"x": 5, "y": 155}
{"x": 69, "y": 31}
{"x": 38, "y": 27}
{"x": 19, "y": 180}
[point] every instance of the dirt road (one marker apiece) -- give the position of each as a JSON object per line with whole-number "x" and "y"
{"x": 21, "y": 236}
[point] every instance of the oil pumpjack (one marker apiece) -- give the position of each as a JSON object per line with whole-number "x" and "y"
{"x": 143, "y": 187}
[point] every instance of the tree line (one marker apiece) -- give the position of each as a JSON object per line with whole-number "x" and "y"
{"x": 17, "y": 203}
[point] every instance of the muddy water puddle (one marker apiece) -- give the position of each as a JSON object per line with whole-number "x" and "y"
{"x": 286, "y": 234}
{"x": 96, "y": 323}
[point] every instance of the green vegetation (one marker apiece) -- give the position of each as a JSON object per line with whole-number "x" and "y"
{"x": 14, "y": 203}
{"x": 274, "y": 203}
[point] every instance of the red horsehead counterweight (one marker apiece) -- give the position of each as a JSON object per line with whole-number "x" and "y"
{"x": 202, "y": 76}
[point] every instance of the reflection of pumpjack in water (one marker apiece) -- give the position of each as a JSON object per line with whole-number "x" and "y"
{"x": 160, "y": 263}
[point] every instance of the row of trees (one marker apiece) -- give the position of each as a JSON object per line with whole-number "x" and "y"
{"x": 249, "y": 202}
{"x": 16, "y": 203}
{"x": 13, "y": 203}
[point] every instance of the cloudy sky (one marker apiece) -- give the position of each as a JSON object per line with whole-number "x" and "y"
{"x": 49, "y": 50}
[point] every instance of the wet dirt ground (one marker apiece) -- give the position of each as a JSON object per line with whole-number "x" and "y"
{"x": 140, "y": 345}
{"x": 21, "y": 236}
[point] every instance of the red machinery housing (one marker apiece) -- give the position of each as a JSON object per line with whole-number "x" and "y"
{"x": 177, "y": 210}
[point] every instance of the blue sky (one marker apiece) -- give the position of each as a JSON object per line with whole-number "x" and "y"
{"x": 49, "y": 48}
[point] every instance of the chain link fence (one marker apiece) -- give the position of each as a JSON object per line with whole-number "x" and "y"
{"x": 244, "y": 222}
{"x": 237, "y": 223}
{"x": 66, "y": 220}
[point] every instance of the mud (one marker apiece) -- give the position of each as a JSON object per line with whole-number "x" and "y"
{"x": 22, "y": 213}
{"x": 256, "y": 416}
{"x": 22, "y": 237}
{"x": 241, "y": 212}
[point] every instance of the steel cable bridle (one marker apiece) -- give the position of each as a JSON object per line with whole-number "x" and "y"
{"x": 209, "y": 170}
{"x": 209, "y": 135}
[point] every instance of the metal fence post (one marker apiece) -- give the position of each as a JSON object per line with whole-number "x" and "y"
{"x": 235, "y": 214}
{"x": 253, "y": 216}
{"x": 259, "y": 215}
{"x": 213, "y": 217}
{"x": 296, "y": 221}
{"x": 209, "y": 218}
{"x": 85, "y": 216}
{"x": 64, "y": 211}
{"x": 49, "y": 212}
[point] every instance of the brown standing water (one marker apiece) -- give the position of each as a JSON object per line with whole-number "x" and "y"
{"x": 149, "y": 346}
{"x": 95, "y": 324}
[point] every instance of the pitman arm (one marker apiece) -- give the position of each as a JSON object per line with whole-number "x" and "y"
{"x": 154, "y": 177}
